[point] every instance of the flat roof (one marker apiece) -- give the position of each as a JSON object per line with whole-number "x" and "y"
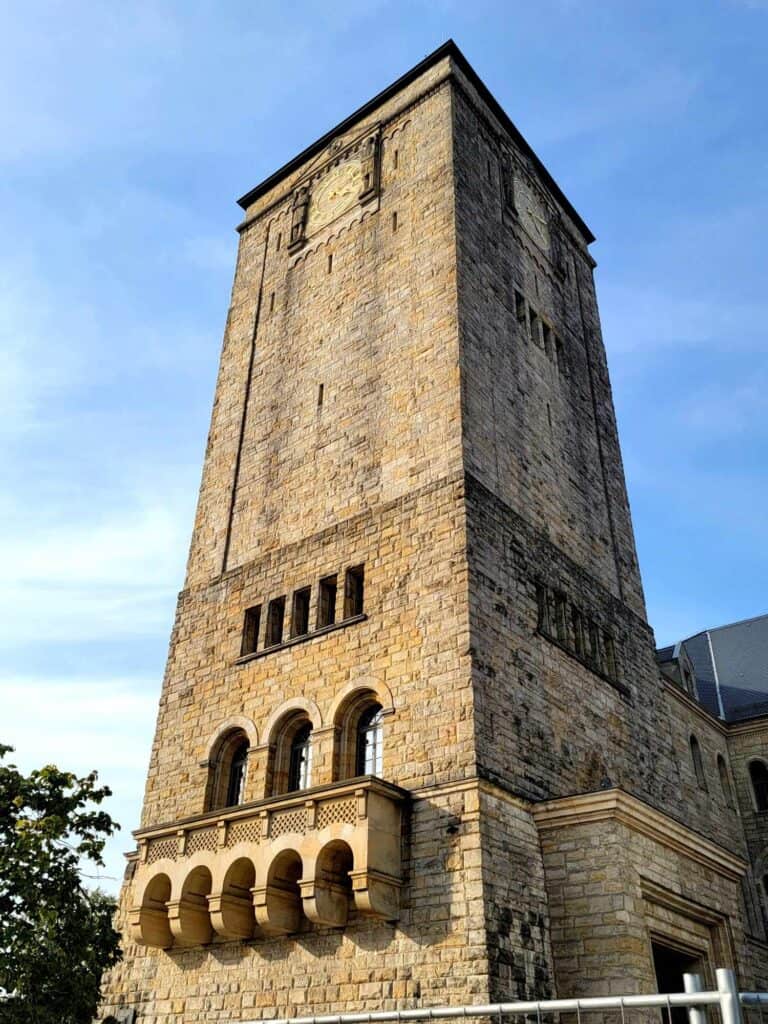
{"x": 448, "y": 49}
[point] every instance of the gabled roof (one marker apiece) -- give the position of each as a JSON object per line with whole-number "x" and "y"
{"x": 448, "y": 49}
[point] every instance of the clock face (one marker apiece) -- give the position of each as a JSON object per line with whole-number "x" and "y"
{"x": 335, "y": 193}
{"x": 534, "y": 217}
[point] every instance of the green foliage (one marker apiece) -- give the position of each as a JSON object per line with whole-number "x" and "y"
{"x": 56, "y": 937}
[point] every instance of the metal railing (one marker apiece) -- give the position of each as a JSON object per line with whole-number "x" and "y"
{"x": 726, "y": 997}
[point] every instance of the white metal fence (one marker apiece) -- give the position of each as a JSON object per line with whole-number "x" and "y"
{"x": 726, "y": 997}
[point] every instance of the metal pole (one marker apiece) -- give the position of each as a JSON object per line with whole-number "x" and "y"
{"x": 730, "y": 1002}
{"x": 692, "y": 983}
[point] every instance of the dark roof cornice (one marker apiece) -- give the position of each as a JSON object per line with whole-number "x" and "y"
{"x": 448, "y": 49}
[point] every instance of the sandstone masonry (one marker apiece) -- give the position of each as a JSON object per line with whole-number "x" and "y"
{"x": 413, "y": 746}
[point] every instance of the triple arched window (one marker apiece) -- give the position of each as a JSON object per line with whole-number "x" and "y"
{"x": 357, "y": 749}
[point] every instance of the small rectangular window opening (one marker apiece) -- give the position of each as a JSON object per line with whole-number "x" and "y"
{"x": 561, "y": 620}
{"x": 490, "y": 176}
{"x": 275, "y": 619}
{"x": 559, "y": 354}
{"x": 353, "y": 591}
{"x": 326, "y": 602}
{"x": 300, "y": 612}
{"x": 330, "y": 262}
{"x": 394, "y": 221}
{"x": 609, "y": 648}
{"x": 594, "y": 652}
{"x": 547, "y": 332}
{"x": 272, "y": 303}
{"x": 520, "y": 311}
{"x": 251, "y": 630}
{"x": 534, "y": 325}
{"x": 577, "y": 621}
{"x": 320, "y": 395}
{"x": 279, "y": 240}
{"x": 542, "y": 602}
{"x": 395, "y": 160}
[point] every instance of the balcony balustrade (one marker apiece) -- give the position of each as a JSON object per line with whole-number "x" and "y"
{"x": 261, "y": 869}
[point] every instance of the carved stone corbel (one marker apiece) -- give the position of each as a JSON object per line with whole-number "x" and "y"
{"x": 299, "y": 209}
{"x": 370, "y": 167}
{"x": 508, "y": 185}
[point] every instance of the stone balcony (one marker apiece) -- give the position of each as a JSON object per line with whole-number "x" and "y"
{"x": 268, "y": 868}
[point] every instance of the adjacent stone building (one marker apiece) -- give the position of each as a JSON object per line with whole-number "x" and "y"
{"x": 413, "y": 745}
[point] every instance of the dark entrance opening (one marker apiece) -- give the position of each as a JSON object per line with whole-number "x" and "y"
{"x": 670, "y": 966}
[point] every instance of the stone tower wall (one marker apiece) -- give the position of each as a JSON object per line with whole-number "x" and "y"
{"x": 418, "y": 386}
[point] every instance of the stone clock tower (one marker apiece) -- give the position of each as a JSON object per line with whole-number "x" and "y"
{"x": 412, "y": 745}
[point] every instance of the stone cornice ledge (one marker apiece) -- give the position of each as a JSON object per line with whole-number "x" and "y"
{"x": 617, "y": 805}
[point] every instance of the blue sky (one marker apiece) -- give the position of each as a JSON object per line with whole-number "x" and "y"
{"x": 126, "y": 134}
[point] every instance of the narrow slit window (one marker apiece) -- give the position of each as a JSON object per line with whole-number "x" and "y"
{"x": 394, "y": 221}
{"x": 330, "y": 262}
{"x": 279, "y": 241}
{"x": 320, "y": 396}
{"x": 520, "y": 310}
{"x": 251, "y": 630}
{"x": 272, "y": 303}
{"x": 490, "y": 176}
{"x": 275, "y": 620}
{"x": 577, "y": 622}
{"x": 559, "y": 354}
{"x": 561, "y": 618}
{"x": 300, "y": 612}
{"x": 395, "y": 160}
{"x": 534, "y": 326}
{"x": 353, "y": 591}
{"x": 547, "y": 333}
{"x": 609, "y": 650}
{"x": 543, "y": 608}
{"x": 326, "y": 602}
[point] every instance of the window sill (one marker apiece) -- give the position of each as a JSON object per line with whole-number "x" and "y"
{"x": 294, "y": 640}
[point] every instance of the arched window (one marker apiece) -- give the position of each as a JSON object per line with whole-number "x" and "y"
{"x": 300, "y": 765}
{"x": 236, "y": 780}
{"x": 725, "y": 780}
{"x": 698, "y": 765}
{"x": 369, "y": 747}
{"x": 227, "y": 772}
{"x": 758, "y": 774}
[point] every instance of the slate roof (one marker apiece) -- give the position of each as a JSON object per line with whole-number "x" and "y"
{"x": 731, "y": 667}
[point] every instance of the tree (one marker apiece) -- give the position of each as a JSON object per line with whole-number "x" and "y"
{"x": 56, "y": 936}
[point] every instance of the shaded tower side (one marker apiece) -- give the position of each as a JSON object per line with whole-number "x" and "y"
{"x": 573, "y": 722}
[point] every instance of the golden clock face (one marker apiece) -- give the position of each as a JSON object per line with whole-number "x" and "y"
{"x": 335, "y": 193}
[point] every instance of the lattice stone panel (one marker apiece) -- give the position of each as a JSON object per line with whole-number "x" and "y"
{"x": 244, "y": 832}
{"x": 202, "y": 839}
{"x": 159, "y": 849}
{"x": 336, "y": 812}
{"x": 288, "y": 821}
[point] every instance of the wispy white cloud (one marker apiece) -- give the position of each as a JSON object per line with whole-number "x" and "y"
{"x": 104, "y": 725}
